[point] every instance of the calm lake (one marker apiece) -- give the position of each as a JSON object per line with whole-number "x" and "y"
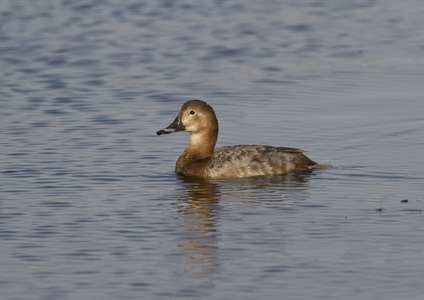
{"x": 90, "y": 206}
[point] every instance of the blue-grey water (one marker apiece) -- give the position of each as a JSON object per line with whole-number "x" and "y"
{"x": 90, "y": 207}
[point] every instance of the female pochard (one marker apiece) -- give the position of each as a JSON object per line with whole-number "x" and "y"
{"x": 201, "y": 159}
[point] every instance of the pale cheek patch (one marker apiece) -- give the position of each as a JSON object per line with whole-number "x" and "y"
{"x": 195, "y": 139}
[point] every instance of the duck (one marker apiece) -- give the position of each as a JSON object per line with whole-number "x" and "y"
{"x": 202, "y": 160}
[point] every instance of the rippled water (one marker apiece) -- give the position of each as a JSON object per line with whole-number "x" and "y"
{"x": 90, "y": 207}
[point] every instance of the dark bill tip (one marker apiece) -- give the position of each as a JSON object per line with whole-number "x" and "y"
{"x": 165, "y": 131}
{"x": 175, "y": 126}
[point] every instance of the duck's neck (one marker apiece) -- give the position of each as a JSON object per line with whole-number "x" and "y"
{"x": 198, "y": 155}
{"x": 201, "y": 146}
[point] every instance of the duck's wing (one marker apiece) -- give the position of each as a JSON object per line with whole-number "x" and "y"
{"x": 252, "y": 160}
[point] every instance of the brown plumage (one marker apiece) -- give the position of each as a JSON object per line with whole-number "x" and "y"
{"x": 201, "y": 159}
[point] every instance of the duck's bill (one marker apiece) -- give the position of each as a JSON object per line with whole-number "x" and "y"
{"x": 175, "y": 126}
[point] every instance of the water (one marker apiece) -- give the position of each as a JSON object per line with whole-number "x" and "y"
{"x": 90, "y": 207}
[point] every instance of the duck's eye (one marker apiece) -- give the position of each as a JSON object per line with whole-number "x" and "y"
{"x": 192, "y": 112}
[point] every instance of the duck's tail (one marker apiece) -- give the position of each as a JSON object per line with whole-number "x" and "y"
{"x": 320, "y": 166}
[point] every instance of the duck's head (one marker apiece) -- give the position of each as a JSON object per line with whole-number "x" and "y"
{"x": 196, "y": 117}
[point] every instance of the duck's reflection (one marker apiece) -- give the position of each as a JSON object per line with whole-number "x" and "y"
{"x": 200, "y": 222}
{"x": 201, "y": 212}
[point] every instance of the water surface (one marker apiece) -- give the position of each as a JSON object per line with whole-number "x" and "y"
{"x": 90, "y": 207}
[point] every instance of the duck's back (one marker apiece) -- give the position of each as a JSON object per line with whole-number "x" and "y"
{"x": 256, "y": 160}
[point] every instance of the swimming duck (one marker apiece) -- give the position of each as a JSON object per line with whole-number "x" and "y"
{"x": 200, "y": 159}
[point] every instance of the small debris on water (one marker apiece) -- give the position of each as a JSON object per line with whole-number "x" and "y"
{"x": 404, "y": 201}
